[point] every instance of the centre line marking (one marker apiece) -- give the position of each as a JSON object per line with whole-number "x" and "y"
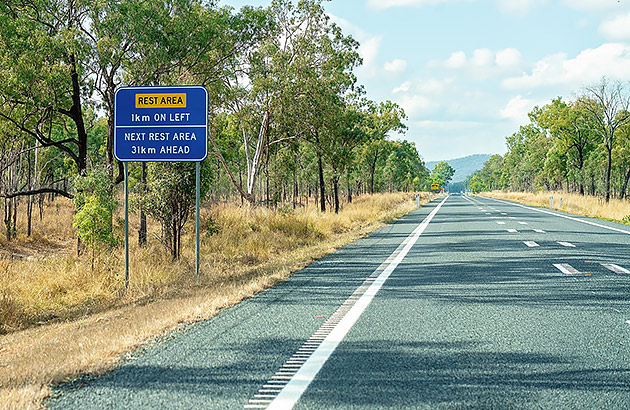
{"x": 567, "y": 269}
{"x": 293, "y": 390}
{"x": 615, "y": 268}
{"x": 531, "y": 244}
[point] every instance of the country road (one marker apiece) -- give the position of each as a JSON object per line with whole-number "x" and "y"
{"x": 467, "y": 302}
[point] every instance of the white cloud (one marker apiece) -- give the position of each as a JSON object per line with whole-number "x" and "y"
{"x": 525, "y": 6}
{"x": 426, "y": 87}
{"x": 388, "y": 4}
{"x": 611, "y": 60}
{"x": 483, "y": 62}
{"x": 597, "y": 5}
{"x": 369, "y": 47}
{"x": 517, "y": 109}
{"x": 518, "y": 6}
{"x": 403, "y": 88}
{"x": 617, "y": 28}
{"x": 434, "y": 86}
{"x": 396, "y": 66}
{"x": 482, "y": 57}
{"x": 417, "y": 105}
{"x": 458, "y": 126}
{"x": 369, "y": 50}
{"x": 456, "y": 60}
{"x": 508, "y": 58}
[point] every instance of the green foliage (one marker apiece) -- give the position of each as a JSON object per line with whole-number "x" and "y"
{"x": 476, "y": 184}
{"x": 442, "y": 173}
{"x": 170, "y": 197}
{"x": 581, "y": 146}
{"x": 283, "y": 97}
{"x": 94, "y": 206}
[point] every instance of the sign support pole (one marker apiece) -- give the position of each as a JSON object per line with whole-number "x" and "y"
{"x": 197, "y": 195}
{"x": 161, "y": 124}
{"x": 126, "y": 226}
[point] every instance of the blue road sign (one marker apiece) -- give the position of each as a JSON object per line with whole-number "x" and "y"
{"x": 161, "y": 124}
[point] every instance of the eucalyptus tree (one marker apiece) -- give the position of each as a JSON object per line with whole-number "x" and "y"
{"x": 622, "y": 159}
{"x": 383, "y": 118}
{"x": 569, "y": 125}
{"x": 170, "y": 198}
{"x": 43, "y": 80}
{"x": 339, "y": 140}
{"x": 173, "y": 42}
{"x": 442, "y": 173}
{"x": 608, "y": 106}
{"x": 290, "y": 85}
{"x": 491, "y": 174}
{"x": 476, "y": 183}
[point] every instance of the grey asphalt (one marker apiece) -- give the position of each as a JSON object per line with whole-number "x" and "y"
{"x": 472, "y": 318}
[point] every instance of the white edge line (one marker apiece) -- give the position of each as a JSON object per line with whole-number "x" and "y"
{"x": 564, "y": 216}
{"x": 291, "y": 393}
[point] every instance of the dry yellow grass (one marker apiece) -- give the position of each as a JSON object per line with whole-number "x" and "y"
{"x": 585, "y": 205}
{"x": 91, "y": 321}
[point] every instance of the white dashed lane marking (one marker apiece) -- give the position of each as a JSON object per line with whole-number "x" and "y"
{"x": 566, "y": 244}
{"x": 501, "y": 223}
{"x": 512, "y": 231}
{"x": 539, "y": 231}
{"x": 567, "y": 269}
{"x": 531, "y": 244}
{"x": 523, "y": 223}
{"x": 615, "y": 268}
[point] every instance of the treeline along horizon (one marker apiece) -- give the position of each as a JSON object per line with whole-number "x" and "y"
{"x": 288, "y": 121}
{"x": 580, "y": 145}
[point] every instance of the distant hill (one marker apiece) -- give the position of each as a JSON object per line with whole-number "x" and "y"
{"x": 463, "y": 166}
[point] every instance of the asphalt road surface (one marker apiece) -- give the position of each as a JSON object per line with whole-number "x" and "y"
{"x": 465, "y": 303}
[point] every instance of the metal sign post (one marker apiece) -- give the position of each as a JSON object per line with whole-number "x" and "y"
{"x": 197, "y": 195}
{"x": 126, "y": 226}
{"x": 161, "y": 124}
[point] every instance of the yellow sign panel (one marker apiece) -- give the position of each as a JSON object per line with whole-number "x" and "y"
{"x": 170, "y": 100}
{"x": 435, "y": 186}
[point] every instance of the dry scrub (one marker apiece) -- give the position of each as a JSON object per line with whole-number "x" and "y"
{"x": 616, "y": 210}
{"x": 75, "y": 320}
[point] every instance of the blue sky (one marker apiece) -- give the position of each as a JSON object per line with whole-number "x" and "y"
{"x": 467, "y": 72}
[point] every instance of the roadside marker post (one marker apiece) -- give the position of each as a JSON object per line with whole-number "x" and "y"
{"x": 161, "y": 124}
